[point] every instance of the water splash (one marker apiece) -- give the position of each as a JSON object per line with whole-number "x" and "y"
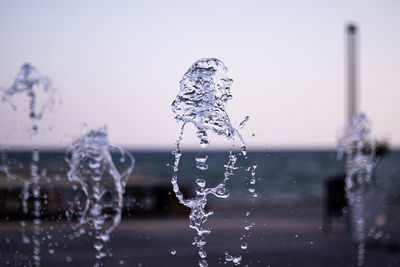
{"x": 94, "y": 164}
{"x": 204, "y": 92}
{"x": 359, "y": 147}
{"x": 30, "y": 82}
{"x": 5, "y": 165}
{"x": 38, "y": 88}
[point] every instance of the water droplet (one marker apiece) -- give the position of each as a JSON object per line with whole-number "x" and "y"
{"x": 249, "y": 226}
{"x": 200, "y": 157}
{"x": 94, "y": 164}
{"x": 200, "y": 241}
{"x": 34, "y": 130}
{"x": 201, "y": 182}
{"x": 243, "y": 123}
{"x": 35, "y": 155}
{"x": 244, "y": 150}
{"x": 202, "y": 254}
{"x": 203, "y": 263}
{"x": 243, "y": 246}
{"x": 173, "y": 251}
{"x": 25, "y": 239}
{"x": 228, "y": 257}
{"x": 237, "y": 259}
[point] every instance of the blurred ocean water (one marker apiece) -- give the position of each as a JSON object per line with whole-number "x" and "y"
{"x": 284, "y": 176}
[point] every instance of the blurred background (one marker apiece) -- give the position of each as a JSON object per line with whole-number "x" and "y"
{"x": 119, "y": 64}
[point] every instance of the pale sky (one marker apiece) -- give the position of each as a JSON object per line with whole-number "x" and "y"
{"x": 119, "y": 63}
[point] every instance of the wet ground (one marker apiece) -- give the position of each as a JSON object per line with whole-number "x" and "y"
{"x": 282, "y": 236}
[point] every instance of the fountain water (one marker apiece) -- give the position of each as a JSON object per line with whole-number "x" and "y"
{"x": 38, "y": 88}
{"x": 204, "y": 92}
{"x": 102, "y": 171}
{"x": 359, "y": 147}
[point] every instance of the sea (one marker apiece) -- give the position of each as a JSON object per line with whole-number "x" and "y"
{"x": 282, "y": 176}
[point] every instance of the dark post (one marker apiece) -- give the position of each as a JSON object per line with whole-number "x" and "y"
{"x": 352, "y": 105}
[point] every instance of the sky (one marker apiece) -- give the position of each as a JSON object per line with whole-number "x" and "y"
{"x": 119, "y": 63}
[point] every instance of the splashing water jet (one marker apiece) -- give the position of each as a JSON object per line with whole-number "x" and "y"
{"x": 359, "y": 147}
{"x": 204, "y": 92}
{"x": 33, "y": 84}
{"x": 103, "y": 179}
{"x": 36, "y": 87}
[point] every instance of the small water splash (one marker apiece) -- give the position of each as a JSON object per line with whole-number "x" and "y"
{"x": 5, "y": 166}
{"x": 93, "y": 163}
{"x": 204, "y": 92}
{"x": 30, "y": 82}
{"x": 359, "y": 147}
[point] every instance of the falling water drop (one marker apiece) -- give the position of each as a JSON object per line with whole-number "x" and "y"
{"x": 249, "y": 226}
{"x": 243, "y": 123}
{"x": 201, "y": 182}
{"x": 201, "y": 161}
{"x": 228, "y": 257}
{"x": 237, "y": 259}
